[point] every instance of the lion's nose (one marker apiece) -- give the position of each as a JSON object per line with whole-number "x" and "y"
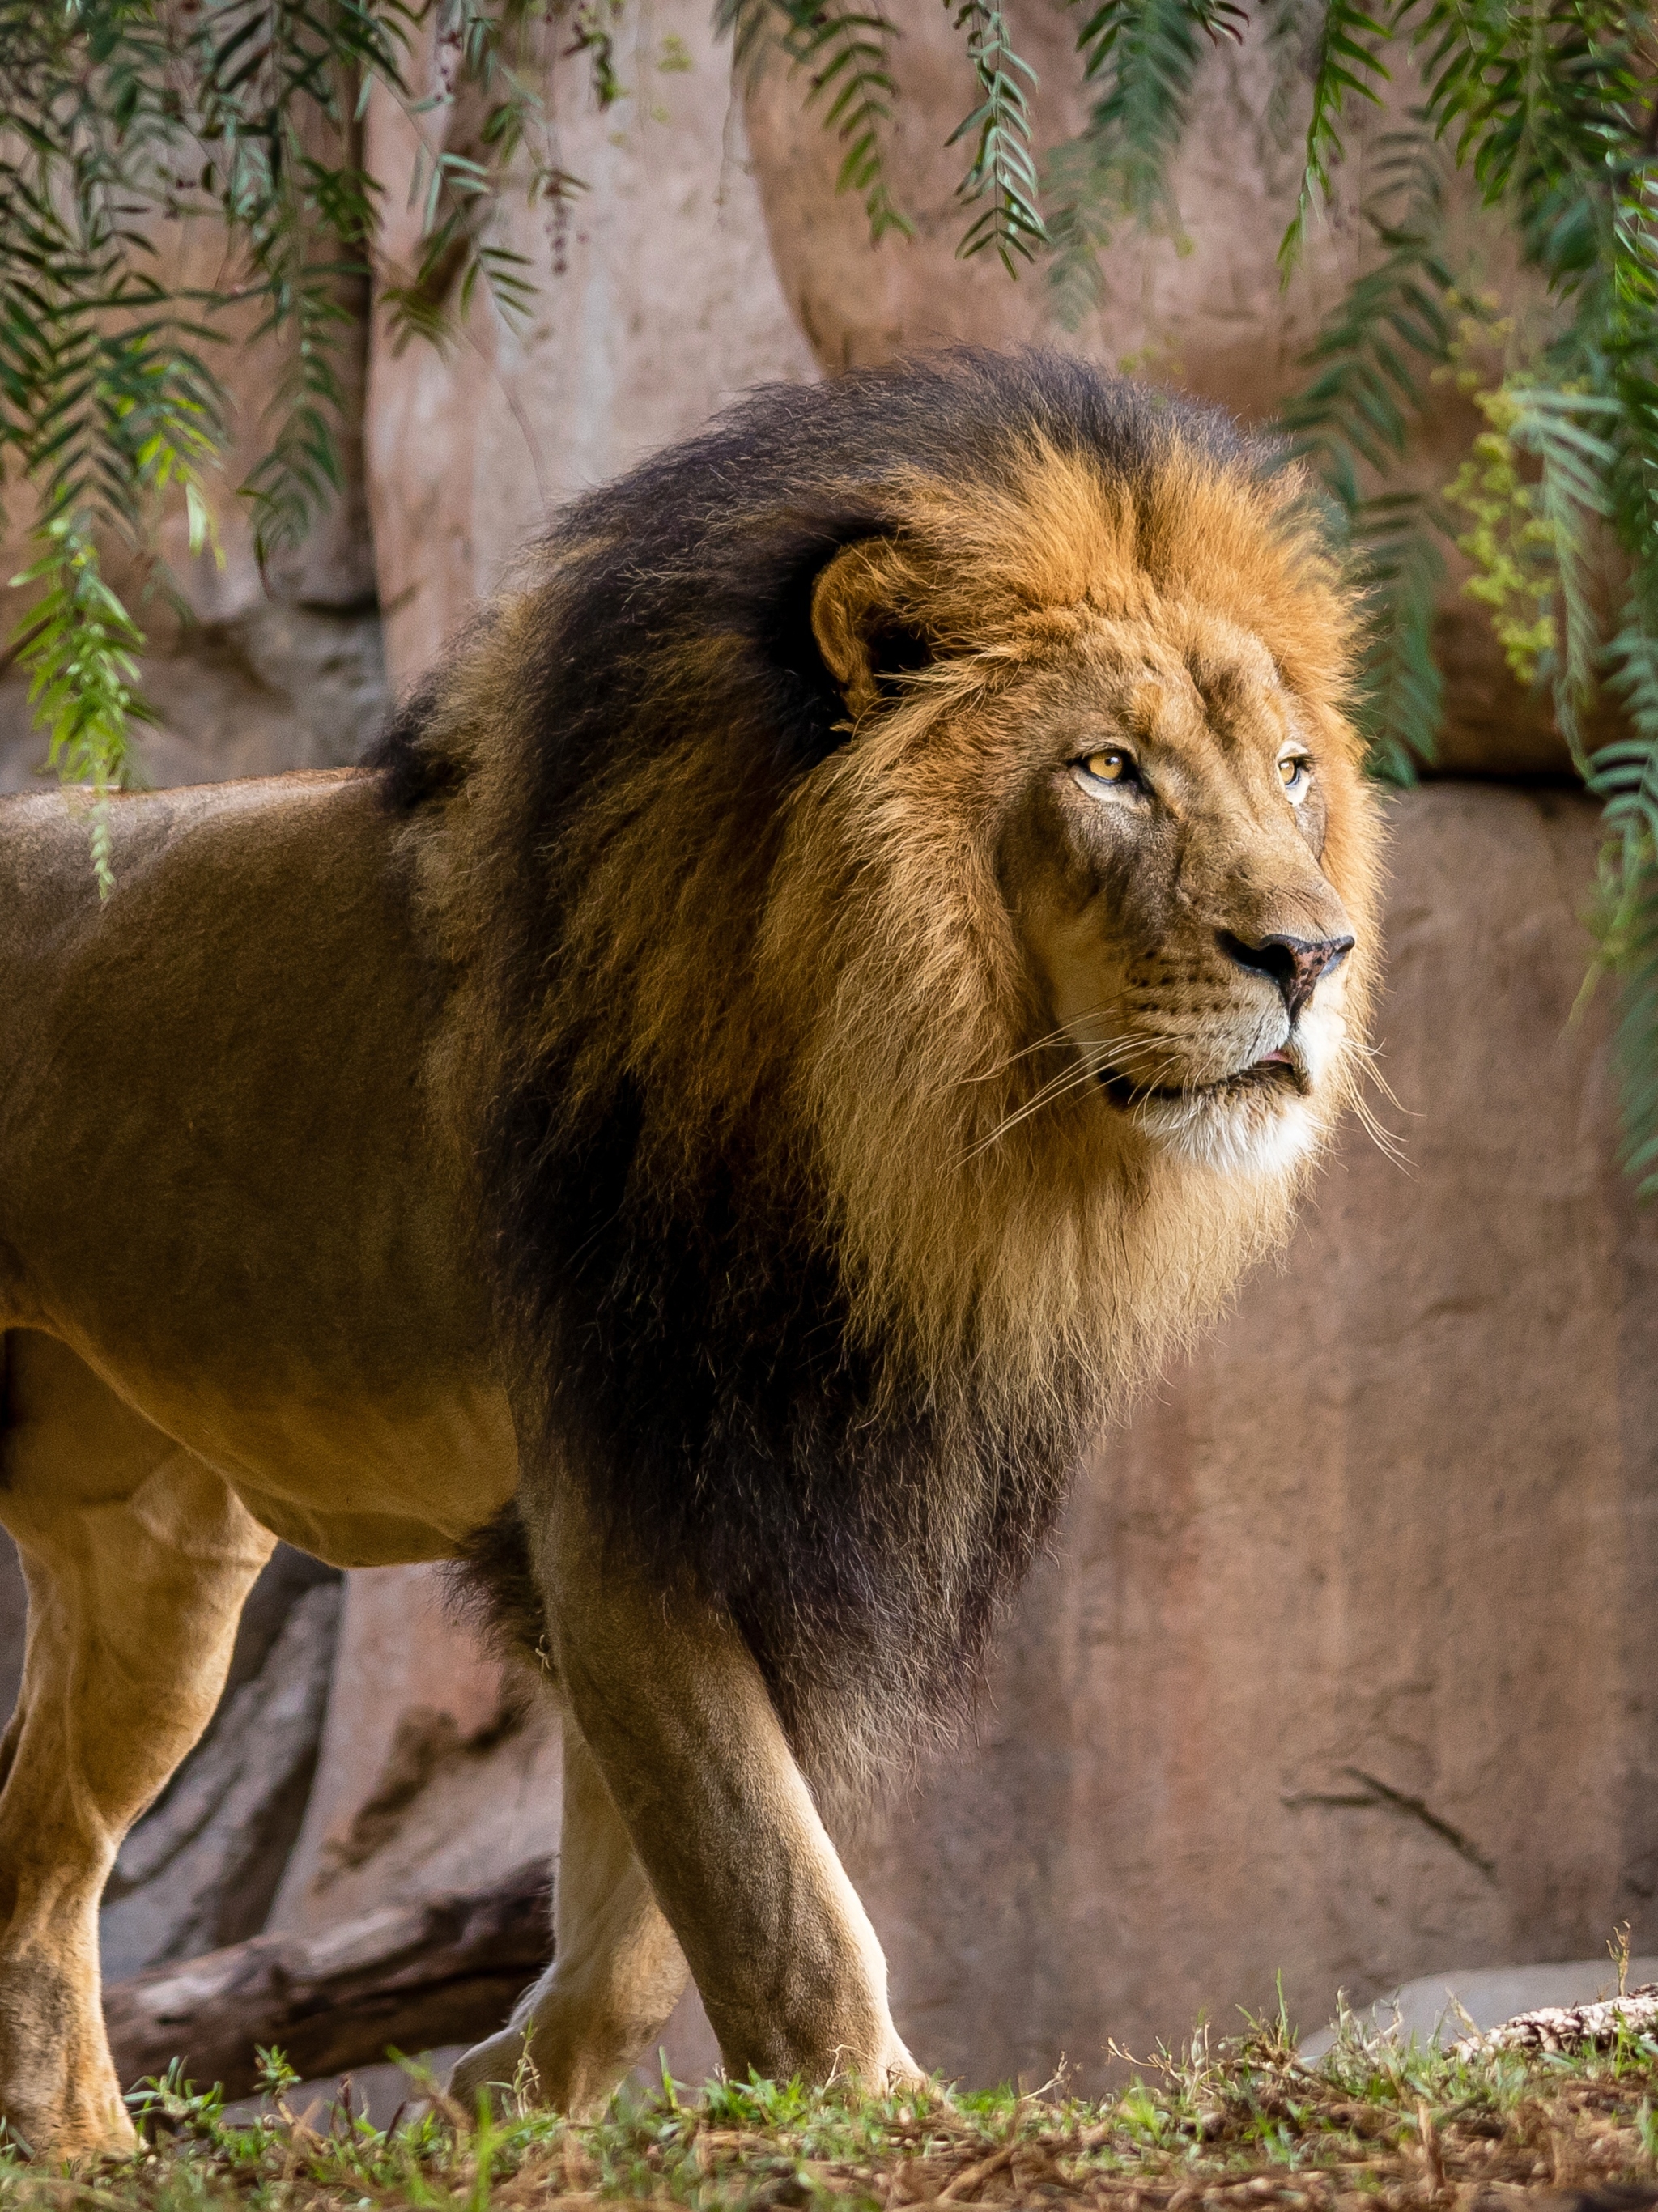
{"x": 1296, "y": 964}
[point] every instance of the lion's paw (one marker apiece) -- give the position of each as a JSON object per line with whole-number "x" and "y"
{"x": 494, "y": 2070}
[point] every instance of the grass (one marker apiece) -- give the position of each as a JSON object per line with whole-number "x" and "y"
{"x": 1243, "y": 2123}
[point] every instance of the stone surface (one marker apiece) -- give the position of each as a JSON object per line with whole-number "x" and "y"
{"x": 1210, "y": 317}
{"x": 657, "y": 303}
{"x": 439, "y": 1769}
{"x": 1441, "y": 2008}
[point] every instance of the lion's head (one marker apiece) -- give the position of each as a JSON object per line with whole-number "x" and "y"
{"x": 913, "y": 898}
{"x": 1094, "y": 873}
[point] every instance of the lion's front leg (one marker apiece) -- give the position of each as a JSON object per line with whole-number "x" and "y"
{"x": 673, "y": 1708}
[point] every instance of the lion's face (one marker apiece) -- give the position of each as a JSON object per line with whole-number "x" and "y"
{"x": 1173, "y": 873}
{"x": 1163, "y": 867}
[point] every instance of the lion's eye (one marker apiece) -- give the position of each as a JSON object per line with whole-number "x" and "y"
{"x": 1110, "y": 765}
{"x": 1295, "y": 771}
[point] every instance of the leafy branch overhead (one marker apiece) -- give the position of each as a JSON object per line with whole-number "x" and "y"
{"x": 846, "y": 56}
{"x": 114, "y": 113}
{"x": 1002, "y": 168}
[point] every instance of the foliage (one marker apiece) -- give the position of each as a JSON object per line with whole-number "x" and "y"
{"x": 240, "y": 115}
{"x": 1146, "y": 54}
{"x": 845, "y": 54}
{"x": 1350, "y": 43}
{"x": 999, "y": 126}
{"x": 1243, "y": 2121}
{"x": 1370, "y": 367}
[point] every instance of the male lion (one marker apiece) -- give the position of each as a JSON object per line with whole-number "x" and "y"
{"x": 846, "y": 960}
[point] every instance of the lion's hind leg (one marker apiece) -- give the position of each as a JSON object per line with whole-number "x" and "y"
{"x": 617, "y": 1970}
{"x": 137, "y": 1558}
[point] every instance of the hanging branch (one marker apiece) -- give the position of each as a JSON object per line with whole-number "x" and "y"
{"x": 1002, "y": 166}
{"x": 1349, "y": 61}
{"x": 845, "y": 52}
{"x": 1145, "y": 53}
{"x": 1371, "y": 365}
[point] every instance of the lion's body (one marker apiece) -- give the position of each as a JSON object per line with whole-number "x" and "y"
{"x": 226, "y": 1193}
{"x": 707, "y": 1130}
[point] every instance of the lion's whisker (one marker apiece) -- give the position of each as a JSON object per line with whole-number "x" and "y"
{"x": 1119, "y": 1054}
{"x": 1372, "y": 1061}
{"x": 1381, "y": 1137}
{"x": 1062, "y": 1035}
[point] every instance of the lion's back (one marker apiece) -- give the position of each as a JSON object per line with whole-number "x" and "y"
{"x": 245, "y": 1010}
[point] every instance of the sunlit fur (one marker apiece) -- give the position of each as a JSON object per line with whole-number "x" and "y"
{"x": 823, "y": 1255}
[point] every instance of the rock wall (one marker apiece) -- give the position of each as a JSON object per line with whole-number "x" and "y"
{"x": 659, "y": 303}
{"x": 438, "y": 1769}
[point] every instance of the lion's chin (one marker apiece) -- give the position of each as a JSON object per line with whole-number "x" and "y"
{"x": 1259, "y": 1122}
{"x": 1237, "y": 1136}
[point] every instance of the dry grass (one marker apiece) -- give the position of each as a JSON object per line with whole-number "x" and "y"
{"x": 1242, "y": 2124}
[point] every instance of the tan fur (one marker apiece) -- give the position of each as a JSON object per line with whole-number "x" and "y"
{"x": 239, "y": 1219}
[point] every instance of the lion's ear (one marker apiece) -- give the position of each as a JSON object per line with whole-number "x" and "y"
{"x": 863, "y": 619}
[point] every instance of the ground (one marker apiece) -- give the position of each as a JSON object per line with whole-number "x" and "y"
{"x": 1243, "y": 2123}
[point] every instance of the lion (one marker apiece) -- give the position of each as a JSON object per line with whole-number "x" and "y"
{"x": 833, "y": 976}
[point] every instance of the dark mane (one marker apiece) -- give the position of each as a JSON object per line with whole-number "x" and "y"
{"x": 635, "y": 719}
{"x": 721, "y": 538}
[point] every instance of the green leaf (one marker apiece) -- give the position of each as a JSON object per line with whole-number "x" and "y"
{"x": 1349, "y": 61}
{"x": 1002, "y": 168}
{"x": 843, "y": 50}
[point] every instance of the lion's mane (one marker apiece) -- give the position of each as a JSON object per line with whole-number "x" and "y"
{"x": 737, "y": 1015}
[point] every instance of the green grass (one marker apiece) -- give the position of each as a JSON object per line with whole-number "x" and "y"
{"x": 1243, "y": 2123}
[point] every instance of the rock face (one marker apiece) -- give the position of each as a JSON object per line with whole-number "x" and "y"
{"x": 439, "y": 1769}
{"x": 659, "y": 303}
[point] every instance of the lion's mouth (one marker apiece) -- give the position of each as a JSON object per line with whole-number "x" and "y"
{"x": 1279, "y": 1073}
